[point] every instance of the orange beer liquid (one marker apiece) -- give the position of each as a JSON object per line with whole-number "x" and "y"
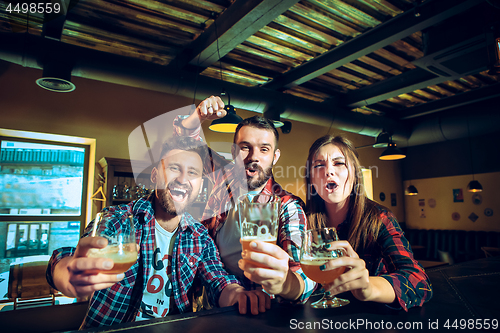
{"x": 311, "y": 269}
{"x": 123, "y": 259}
{"x": 245, "y": 245}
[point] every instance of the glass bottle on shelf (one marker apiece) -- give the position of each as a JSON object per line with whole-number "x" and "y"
{"x": 126, "y": 191}
{"x": 204, "y": 195}
{"x": 116, "y": 195}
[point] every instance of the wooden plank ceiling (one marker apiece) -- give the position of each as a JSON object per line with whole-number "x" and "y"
{"x": 295, "y": 47}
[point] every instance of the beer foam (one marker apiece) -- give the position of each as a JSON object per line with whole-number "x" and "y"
{"x": 268, "y": 238}
{"x": 313, "y": 262}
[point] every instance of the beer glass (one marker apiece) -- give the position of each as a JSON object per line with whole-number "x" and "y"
{"x": 259, "y": 219}
{"x": 121, "y": 248}
{"x": 314, "y": 253}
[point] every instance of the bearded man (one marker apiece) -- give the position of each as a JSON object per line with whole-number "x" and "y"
{"x": 255, "y": 151}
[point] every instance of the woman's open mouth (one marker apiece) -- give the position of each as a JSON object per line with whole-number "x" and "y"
{"x": 331, "y": 186}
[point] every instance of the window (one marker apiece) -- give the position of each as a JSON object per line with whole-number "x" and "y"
{"x": 368, "y": 182}
{"x": 44, "y": 182}
{"x": 40, "y": 179}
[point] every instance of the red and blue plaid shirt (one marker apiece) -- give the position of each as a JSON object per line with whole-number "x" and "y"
{"x": 390, "y": 257}
{"x": 195, "y": 256}
{"x": 229, "y": 185}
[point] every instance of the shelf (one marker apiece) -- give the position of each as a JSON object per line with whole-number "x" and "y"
{"x": 117, "y": 171}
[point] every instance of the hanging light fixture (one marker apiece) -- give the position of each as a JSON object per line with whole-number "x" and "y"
{"x": 392, "y": 153}
{"x": 229, "y": 122}
{"x": 495, "y": 68}
{"x": 474, "y": 185}
{"x": 411, "y": 190}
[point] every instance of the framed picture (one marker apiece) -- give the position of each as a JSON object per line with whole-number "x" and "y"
{"x": 458, "y": 195}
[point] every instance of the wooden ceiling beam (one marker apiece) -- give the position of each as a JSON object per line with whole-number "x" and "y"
{"x": 431, "y": 13}
{"x": 235, "y": 25}
{"x": 446, "y": 103}
{"x": 435, "y": 68}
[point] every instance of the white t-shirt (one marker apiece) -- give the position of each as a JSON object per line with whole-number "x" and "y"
{"x": 158, "y": 296}
{"x": 228, "y": 240}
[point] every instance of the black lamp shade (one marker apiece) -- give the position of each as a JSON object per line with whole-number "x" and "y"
{"x": 411, "y": 190}
{"x": 228, "y": 123}
{"x": 392, "y": 153}
{"x": 474, "y": 186}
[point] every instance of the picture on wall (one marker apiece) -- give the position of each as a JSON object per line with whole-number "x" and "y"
{"x": 473, "y": 217}
{"x": 393, "y": 199}
{"x": 458, "y": 195}
{"x": 477, "y": 199}
{"x": 432, "y": 203}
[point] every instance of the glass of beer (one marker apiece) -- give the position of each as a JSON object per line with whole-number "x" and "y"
{"x": 259, "y": 219}
{"x": 120, "y": 233}
{"x": 313, "y": 254}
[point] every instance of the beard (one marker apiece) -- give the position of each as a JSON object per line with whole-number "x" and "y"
{"x": 262, "y": 177}
{"x": 168, "y": 204}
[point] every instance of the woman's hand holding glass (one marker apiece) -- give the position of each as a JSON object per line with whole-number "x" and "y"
{"x": 355, "y": 279}
{"x": 316, "y": 253}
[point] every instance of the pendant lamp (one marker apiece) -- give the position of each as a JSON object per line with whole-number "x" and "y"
{"x": 229, "y": 122}
{"x": 411, "y": 190}
{"x": 474, "y": 185}
{"x": 392, "y": 153}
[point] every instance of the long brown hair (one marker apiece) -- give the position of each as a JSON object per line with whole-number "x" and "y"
{"x": 363, "y": 213}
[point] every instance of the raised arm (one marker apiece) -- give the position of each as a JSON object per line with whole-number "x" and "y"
{"x": 209, "y": 109}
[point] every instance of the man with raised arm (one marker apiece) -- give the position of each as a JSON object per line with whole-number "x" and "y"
{"x": 255, "y": 152}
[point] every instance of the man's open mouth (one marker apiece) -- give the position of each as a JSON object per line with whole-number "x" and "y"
{"x": 252, "y": 169}
{"x": 251, "y": 172}
{"x": 178, "y": 194}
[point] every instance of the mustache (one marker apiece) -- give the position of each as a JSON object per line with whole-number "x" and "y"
{"x": 254, "y": 166}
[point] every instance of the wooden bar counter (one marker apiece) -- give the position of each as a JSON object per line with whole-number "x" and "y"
{"x": 466, "y": 298}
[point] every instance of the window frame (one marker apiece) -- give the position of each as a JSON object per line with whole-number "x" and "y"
{"x": 88, "y": 174}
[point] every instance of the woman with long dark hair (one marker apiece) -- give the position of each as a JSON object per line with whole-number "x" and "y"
{"x": 382, "y": 267}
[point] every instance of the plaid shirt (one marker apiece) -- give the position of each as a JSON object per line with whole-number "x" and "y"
{"x": 194, "y": 256}
{"x": 390, "y": 257}
{"x": 228, "y": 186}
